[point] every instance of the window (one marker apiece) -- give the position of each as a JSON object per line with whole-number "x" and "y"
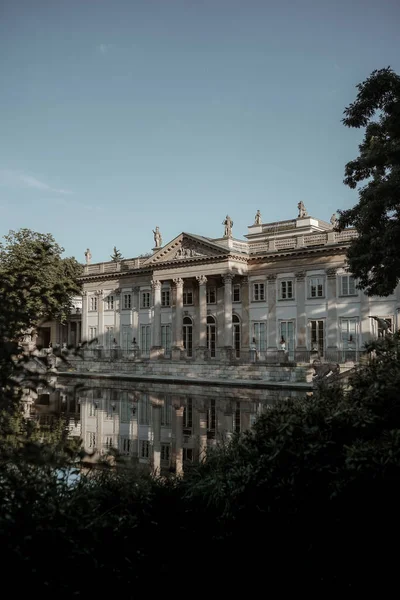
{"x": 127, "y": 301}
{"x": 187, "y": 335}
{"x": 258, "y": 292}
{"x": 211, "y": 295}
{"x": 109, "y": 412}
{"x": 188, "y": 414}
{"x": 166, "y": 338}
{"x": 144, "y": 410}
{"x": 260, "y": 335}
{"x": 236, "y": 292}
{"x": 125, "y": 445}
{"x": 166, "y": 410}
{"x": 187, "y": 296}
{"x": 93, "y": 303}
{"x": 236, "y": 334}
{"x": 317, "y": 336}
{"x": 108, "y": 441}
{"x": 211, "y": 336}
{"x": 165, "y": 453}
{"x": 125, "y": 410}
{"x": 109, "y": 336}
{"x": 187, "y": 454}
{"x": 384, "y": 326}
{"x": 91, "y": 440}
{"x": 211, "y": 416}
{"x": 109, "y": 303}
{"x": 286, "y": 289}
{"x": 237, "y": 419}
{"x": 165, "y": 299}
{"x": 347, "y": 285}
{"x": 145, "y": 338}
{"x": 92, "y": 333}
{"x": 144, "y": 449}
{"x": 145, "y": 300}
{"x": 316, "y": 287}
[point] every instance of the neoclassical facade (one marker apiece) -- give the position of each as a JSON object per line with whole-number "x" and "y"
{"x": 283, "y": 288}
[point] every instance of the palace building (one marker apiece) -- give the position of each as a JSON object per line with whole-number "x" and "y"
{"x": 285, "y": 287}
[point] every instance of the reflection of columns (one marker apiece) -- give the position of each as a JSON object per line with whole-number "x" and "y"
{"x": 228, "y": 420}
{"x": 178, "y": 339}
{"x": 156, "y": 285}
{"x": 135, "y": 315}
{"x": 100, "y": 312}
{"x": 202, "y": 279}
{"x": 156, "y": 405}
{"x": 84, "y": 332}
{"x": 332, "y": 324}
{"x": 301, "y": 321}
{"x": 228, "y": 339}
{"x": 244, "y": 292}
{"x": 271, "y": 319}
{"x": 178, "y": 437}
{"x": 202, "y": 432}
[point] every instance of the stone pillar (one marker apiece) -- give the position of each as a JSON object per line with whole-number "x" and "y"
{"x": 332, "y": 326}
{"x": 156, "y": 404}
{"x": 228, "y": 339}
{"x": 100, "y": 313}
{"x": 301, "y": 320}
{"x": 155, "y": 350}
{"x": 178, "y": 339}
{"x": 245, "y": 314}
{"x": 135, "y": 314}
{"x": 202, "y": 314}
{"x": 84, "y": 332}
{"x": 271, "y": 320}
{"x": 178, "y": 437}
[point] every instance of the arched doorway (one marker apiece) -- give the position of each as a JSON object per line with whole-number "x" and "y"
{"x": 188, "y": 335}
{"x": 236, "y": 335}
{"x": 211, "y": 336}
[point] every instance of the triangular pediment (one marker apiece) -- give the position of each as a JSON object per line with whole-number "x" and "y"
{"x": 187, "y": 247}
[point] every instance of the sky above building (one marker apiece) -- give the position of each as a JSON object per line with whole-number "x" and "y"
{"x": 120, "y": 115}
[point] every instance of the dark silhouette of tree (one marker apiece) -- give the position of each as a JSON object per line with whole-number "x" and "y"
{"x": 116, "y": 256}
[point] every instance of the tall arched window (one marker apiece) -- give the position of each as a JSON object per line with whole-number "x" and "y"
{"x": 236, "y": 331}
{"x": 211, "y": 336}
{"x": 188, "y": 335}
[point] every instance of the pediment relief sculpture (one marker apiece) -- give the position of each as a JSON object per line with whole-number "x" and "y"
{"x": 187, "y": 252}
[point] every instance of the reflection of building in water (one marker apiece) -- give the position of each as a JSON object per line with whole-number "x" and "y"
{"x": 162, "y": 431}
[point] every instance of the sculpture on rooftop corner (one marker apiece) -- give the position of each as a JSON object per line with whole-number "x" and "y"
{"x": 302, "y": 210}
{"x": 157, "y": 237}
{"x": 334, "y": 220}
{"x": 88, "y": 256}
{"x": 228, "y": 226}
{"x": 257, "y": 218}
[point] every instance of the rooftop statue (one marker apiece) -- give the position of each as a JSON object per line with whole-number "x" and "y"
{"x": 302, "y": 210}
{"x": 88, "y": 256}
{"x": 257, "y": 218}
{"x": 228, "y": 226}
{"x": 157, "y": 237}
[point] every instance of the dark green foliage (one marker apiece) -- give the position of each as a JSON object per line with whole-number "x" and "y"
{"x": 374, "y": 256}
{"x": 116, "y": 256}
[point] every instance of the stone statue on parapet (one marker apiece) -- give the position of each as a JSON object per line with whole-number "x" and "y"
{"x": 257, "y": 218}
{"x": 334, "y": 221}
{"x": 302, "y": 210}
{"x": 157, "y": 237}
{"x": 384, "y": 324}
{"x": 88, "y": 256}
{"x": 228, "y": 226}
{"x": 325, "y": 370}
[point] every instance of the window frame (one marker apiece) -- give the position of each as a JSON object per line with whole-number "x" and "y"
{"x": 211, "y": 290}
{"x": 236, "y": 287}
{"x": 144, "y": 445}
{"x": 260, "y": 287}
{"x": 186, "y": 292}
{"x": 286, "y": 282}
{"x": 145, "y": 294}
{"x": 165, "y": 298}
{"x": 317, "y": 285}
{"x": 343, "y": 277}
{"x": 109, "y": 302}
{"x": 93, "y": 303}
{"x": 126, "y": 301}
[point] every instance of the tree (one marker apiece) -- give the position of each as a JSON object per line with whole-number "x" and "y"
{"x": 373, "y": 256}
{"x": 36, "y": 283}
{"x": 116, "y": 255}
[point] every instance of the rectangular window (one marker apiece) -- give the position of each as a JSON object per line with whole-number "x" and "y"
{"x": 92, "y": 333}
{"x": 93, "y": 303}
{"x": 187, "y": 296}
{"x": 286, "y": 289}
{"x": 145, "y": 300}
{"x": 166, "y": 338}
{"x": 316, "y": 287}
{"x": 91, "y": 440}
{"x": 127, "y": 301}
{"x": 165, "y": 453}
{"x": 125, "y": 409}
{"x": 109, "y": 302}
{"x": 211, "y": 416}
{"x": 109, "y": 336}
{"x": 165, "y": 299}
{"x": 211, "y": 295}
{"x": 347, "y": 285}
{"x": 258, "y": 292}
{"x": 237, "y": 419}
{"x": 125, "y": 445}
{"x": 166, "y": 410}
{"x": 144, "y": 410}
{"x": 145, "y": 332}
{"x": 108, "y": 441}
{"x": 236, "y": 292}
{"x": 144, "y": 448}
{"x": 317, "y": 336}
{"x": 260, "y": 335}
{"x": 188, "y": 414}
{"x": 187, "y": 455}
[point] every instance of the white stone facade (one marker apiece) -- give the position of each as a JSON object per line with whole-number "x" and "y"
{"x": 285, "y": 288}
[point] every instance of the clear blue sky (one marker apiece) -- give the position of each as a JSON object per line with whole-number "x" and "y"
{"x": 117, "y": 116}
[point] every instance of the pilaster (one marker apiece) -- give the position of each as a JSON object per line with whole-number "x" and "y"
{"x": 301, "y": 319}
{"x": 271, "y": 320}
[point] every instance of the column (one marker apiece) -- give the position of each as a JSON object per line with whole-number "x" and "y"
{"x": 100, "y": 313}
{"x": 271, "y": 320}
{"x": 202, "y": 314}
{"x": 332, "y": 325}
{"x": 301, "y": 320}
{"x": 135, "y": 315}
{"x": 156, "y": 404}
{"x": 228, "y": 339}
{"x": 178, "y": 437}
{"x": 84, "y": 332}
{"x": 244, "y": 291}
{"x": 178, "y": 340}
{"x": 156, "y": 346}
